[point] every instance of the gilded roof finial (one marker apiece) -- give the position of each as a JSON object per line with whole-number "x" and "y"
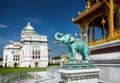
{"x": 72, "y": 19}
{"x": 75, "y": 34}
{"x": 79, "y": 13}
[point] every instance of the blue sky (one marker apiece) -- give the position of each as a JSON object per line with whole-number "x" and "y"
{"x": 46, "y": 16}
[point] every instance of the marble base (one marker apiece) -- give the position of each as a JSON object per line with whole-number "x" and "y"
{"x": 80, "y": 76}
{"x": 77, "y": 66}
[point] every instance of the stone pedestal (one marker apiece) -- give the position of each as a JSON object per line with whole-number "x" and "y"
{"x": 89, "y": 75}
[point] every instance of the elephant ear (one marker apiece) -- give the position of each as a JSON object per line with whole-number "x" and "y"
{"x": 71, "y": 39}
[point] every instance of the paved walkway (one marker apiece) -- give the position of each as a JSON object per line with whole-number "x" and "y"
{"x": 45, "y": 77}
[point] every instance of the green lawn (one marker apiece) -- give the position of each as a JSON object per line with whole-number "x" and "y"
{"x": 4, "y": 71}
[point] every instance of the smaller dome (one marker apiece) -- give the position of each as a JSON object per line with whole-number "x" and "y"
{"x": 28, "y": 27}
{"x": 11, "y": 41}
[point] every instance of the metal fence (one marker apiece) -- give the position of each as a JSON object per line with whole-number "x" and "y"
{"x": 22, "y": 77}
{"x": 52, "y": 71}
{"x": 17, "y": 77}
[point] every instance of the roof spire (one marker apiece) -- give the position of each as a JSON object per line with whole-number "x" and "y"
{"x": 28, "y": 24}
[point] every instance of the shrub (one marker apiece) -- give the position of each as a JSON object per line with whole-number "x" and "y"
{"x": 15, "y": 64}
{"x": 1, "y": 66}
{"x": 53, "y": 64}
{"x": 29, "y": 66}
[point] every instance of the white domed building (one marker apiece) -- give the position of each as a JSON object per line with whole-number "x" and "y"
{"x": 32, "y": 51}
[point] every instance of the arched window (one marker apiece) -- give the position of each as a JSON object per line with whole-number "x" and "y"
{"x": 6, "y": 57}
{"x": 36, "y": 52}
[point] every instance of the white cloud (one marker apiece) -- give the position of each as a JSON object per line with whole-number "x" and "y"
{"x": 3, "y": 26}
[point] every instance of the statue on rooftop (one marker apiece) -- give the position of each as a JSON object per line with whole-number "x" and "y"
{"x": 74, "y": 45}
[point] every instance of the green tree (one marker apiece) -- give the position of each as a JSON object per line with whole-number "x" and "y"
{"x": 57, "y": 57}
{"x": 1, "y": 58}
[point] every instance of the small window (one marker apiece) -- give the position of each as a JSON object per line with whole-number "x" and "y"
{"x": 39, "y": 53}
{"x": 33, "y": 52}
{"x": 38, "y": 57}
{"x": 33, "y": 57}
{"x": 36, "y": 52}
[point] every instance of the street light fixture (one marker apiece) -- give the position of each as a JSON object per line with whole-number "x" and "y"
{"x": 103, "y": 22}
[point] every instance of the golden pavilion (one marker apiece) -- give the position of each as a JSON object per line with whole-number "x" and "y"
{"x": 105, "y": 15}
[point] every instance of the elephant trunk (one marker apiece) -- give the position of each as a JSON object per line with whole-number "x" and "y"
{"x": 57, "y": 36}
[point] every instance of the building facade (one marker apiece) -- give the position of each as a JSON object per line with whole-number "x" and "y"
{"x": 32, "y": 51}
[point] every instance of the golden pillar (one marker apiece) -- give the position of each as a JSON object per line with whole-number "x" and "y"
{"x": 87, "y": 34}
{"x": 111, "y": 18}
{"x": 93, "y": 32}
{"x": 81, "y": 31}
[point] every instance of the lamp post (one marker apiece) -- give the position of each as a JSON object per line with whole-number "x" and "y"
{"x": 49, "y": 53}
{"x": 55, "y": 42}
{"x": 61, "y": 48}
{"x": 60, "y": 44}
{"x": 103, "y": 22}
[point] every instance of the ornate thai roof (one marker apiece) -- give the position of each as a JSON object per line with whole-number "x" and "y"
{"x": 88, "y": 11}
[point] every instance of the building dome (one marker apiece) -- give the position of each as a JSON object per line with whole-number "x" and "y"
{"x": 28, "y": 27}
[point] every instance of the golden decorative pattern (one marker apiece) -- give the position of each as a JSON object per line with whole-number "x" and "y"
{"x": 107, "y": 39}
